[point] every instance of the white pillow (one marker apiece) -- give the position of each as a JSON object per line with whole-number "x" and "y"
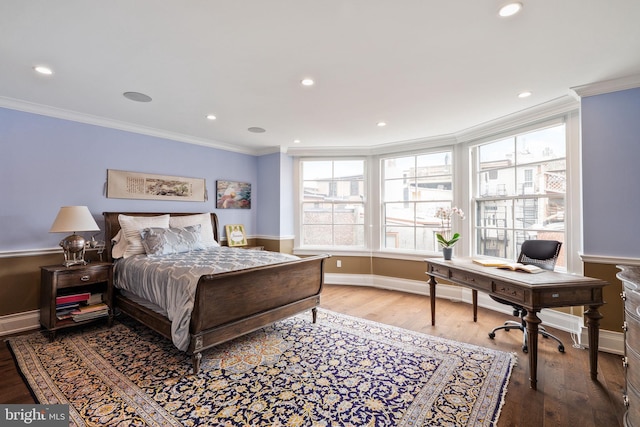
{"x": 119, "y": 246}
{"x": 206, "y": 229}
{"x": 132, "y": 226}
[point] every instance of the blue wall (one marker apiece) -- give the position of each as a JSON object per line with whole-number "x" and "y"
{"x": 46, "y": 163}
{"x": 276, "y": 197}
{"x": 611, "y": 173}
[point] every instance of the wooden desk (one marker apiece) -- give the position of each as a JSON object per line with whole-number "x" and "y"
{"x": 532, "y": 291}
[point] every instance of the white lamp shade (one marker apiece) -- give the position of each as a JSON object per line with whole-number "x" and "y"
{"x": 74, "y": 218}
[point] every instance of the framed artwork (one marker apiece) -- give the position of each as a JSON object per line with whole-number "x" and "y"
{"x": 236, "y": 235}
{"x": 233, "y": 195}
{"x": 138, "y": 185}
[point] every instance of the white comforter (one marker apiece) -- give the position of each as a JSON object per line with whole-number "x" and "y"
{"x": 169, "y": 281}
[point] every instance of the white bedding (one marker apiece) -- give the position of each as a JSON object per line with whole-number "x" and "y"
{"x": 169, "y": 281}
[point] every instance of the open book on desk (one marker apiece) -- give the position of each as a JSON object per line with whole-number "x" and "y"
{"x": 514, "y": 266}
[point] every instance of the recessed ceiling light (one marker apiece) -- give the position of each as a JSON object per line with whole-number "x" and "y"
{"x": 524, "y": 94}
{"x": 296, "y": 141}
{"x": 137, "y": 96}
{"x": 256, "y": 129}
{"x": 510, "y": 9}
{"x": 211, "y": 117}
{"x": 381, "y": 124}
{"x": 43, "y": 70}
{"x": 307, "y": 82}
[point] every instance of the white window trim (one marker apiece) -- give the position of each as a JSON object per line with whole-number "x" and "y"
{"x": 573, "y": 199}
{"x": 380, "y": 208}
{"x": 312, "y": 250}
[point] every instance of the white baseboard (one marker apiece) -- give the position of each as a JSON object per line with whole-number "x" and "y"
{"x": 610, "y": 341}
{"x": 19, "y": 322}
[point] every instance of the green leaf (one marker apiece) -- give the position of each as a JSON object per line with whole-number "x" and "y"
{"x": 446, "y": 243}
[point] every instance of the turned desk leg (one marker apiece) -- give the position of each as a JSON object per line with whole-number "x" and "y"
{"x": 432, "y": 297}
{"x": 474, "y": 296}
{"x": 532, "y": 321}
{"x": 593, "y": 323}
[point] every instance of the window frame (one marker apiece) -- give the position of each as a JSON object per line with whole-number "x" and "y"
{"x": 382, "y": 204}
{"x": 572, "y": 198}
{"x": 299, "y": 203}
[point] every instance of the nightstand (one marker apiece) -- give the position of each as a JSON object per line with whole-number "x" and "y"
{"x": 86, "y": 286}
{"x": 252, "y": 248}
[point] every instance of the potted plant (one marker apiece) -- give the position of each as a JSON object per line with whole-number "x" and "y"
{"x": 445, "y": 238}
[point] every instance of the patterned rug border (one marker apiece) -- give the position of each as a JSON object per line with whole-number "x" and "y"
{"x": 486, "y": 408}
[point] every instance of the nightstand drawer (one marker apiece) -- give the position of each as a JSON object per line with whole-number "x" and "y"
{"x": 84, "y": 276}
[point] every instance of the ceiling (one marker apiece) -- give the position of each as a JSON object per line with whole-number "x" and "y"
{"x": 427, "y": 68}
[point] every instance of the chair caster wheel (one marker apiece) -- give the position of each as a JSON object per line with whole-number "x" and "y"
{"x": 525, "y": 349}
{"x": 561, "y": 348}
{"x": 492, "y": 335}
{"x": 507, "y": 329}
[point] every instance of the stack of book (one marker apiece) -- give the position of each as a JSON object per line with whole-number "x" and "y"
{"x": 67, "y": 304}
{"x": 88, "y": 312}
{"x": 80, "y": 307}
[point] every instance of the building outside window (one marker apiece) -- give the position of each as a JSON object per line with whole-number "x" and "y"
{"x": 333, "y": 203}
{"x": 520, "y": 192}
{"x": 413, "y": 188}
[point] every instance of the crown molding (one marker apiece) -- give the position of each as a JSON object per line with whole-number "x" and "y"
{"x": 541, "y": 112}
{"x": 59, "y": 113}
{"x": 607, "y": 86}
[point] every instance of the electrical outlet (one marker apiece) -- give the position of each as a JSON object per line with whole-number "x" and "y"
{"x": 338, "y": 263}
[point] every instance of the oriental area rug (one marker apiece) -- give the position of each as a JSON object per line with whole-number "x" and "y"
{"x": 341, "y": 371}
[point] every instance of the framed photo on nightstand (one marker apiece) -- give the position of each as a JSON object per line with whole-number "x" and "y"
{"x": 236, "y": 235}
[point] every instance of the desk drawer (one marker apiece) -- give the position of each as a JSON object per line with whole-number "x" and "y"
{"x": 514, "y": 294}
{"x": 472, "y": 280}
{"x": 439, "y": 270}
{"x": 556, "y": 298}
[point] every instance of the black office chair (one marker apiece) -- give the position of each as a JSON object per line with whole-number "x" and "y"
{"x": 544, "y": 254}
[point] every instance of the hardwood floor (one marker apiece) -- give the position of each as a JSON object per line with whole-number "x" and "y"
{"x": 566, "y": 396}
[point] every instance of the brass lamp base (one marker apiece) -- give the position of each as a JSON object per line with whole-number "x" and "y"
{"x": 73, "y": 247}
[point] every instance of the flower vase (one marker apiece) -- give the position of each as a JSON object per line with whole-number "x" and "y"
{"x": 447, "y": 252}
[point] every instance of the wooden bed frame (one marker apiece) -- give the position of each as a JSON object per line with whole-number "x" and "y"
{"x": 231, "y": 304}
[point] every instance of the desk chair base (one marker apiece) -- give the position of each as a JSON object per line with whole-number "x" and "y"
{"x": 511, "y": 324}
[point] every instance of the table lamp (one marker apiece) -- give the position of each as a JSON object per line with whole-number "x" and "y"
{"x": 72, "y": 219}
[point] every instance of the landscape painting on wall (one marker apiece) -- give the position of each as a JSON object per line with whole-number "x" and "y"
{"x": 233, "y": 195}
{"x": 137, "y": 185}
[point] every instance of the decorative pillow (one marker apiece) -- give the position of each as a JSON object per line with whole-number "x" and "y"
{"x": 164, "y": 241}
{"x": 119, "y": 245}
{"x": 206, "y": 230}
{"x": 131, "y": 227}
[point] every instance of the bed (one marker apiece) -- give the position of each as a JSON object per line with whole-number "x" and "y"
{"x": 225, "y": 305}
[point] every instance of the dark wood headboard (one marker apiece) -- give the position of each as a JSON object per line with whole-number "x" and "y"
{"x": 112, "y": 225}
